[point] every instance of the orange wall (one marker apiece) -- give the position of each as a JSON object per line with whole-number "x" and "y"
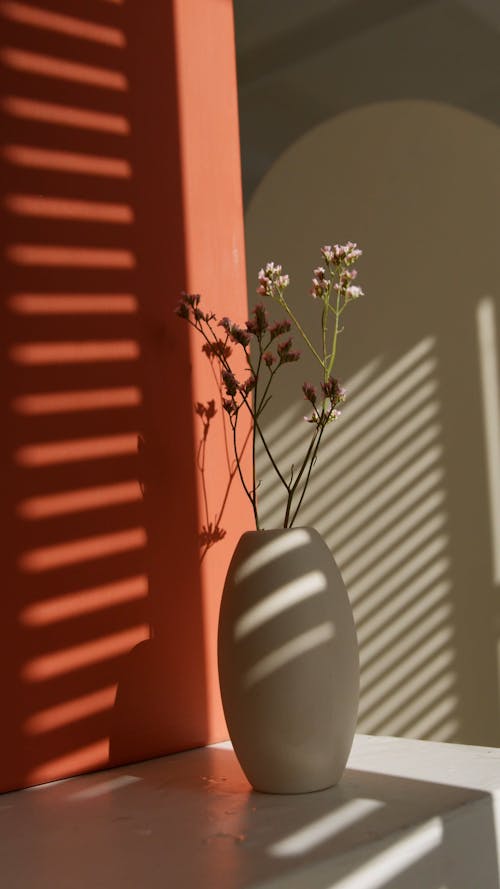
{"x": 120, "y": 180}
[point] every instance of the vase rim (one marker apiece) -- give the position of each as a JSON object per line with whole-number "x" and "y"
{"x": 281, "y": 530}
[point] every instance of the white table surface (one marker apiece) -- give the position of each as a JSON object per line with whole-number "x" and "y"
{"x": 406, "y": 815}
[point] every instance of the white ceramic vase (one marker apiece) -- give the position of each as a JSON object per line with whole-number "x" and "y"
{"x": 288, "y": 661}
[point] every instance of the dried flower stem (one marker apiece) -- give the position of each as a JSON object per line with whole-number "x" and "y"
{"x": 254, "y": 394}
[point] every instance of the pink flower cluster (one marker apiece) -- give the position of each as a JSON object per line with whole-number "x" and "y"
{"x": 341, "y": 254}
{"x": 339, "y": 258}
{"x": 345, "y": 287}
{"x": 320, "y": 283}
{"x": 272, "y": 280}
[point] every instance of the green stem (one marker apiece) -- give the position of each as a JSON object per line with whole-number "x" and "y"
{"x": 324, "y": 324}
{"x": 335, "y": 335}
{"x": 311, "y": 464}
{"x": 254, "y": 431}
{"x": 325, "y": 420}
{"x": 299, "y": 327}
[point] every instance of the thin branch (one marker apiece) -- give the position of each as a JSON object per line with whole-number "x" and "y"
{"x": 292, "y": 490}
{"x": 250, "y": 496}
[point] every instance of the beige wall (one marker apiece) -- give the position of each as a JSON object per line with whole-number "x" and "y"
{"x": 407, "y": 488}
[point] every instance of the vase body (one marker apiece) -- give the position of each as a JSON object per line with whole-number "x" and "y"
{"x": 288, "y": 661}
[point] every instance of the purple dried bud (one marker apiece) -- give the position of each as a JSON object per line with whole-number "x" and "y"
{"x": 279, "y": 327}
{"x": 248, "y": 385}
{"x": 334, "y": 391}
{"x": 286, "y": 355}
{"x": 269, "y": 359}
{"x": 284, "y": 347}
{"x": 230, "y": 383}
{"x": 237, "y": 334}
{"x": 259, "y": 323}
{"x": 309, "y": 392}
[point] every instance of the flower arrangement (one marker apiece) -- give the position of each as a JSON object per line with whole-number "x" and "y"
{"x": 266, "y": 348}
